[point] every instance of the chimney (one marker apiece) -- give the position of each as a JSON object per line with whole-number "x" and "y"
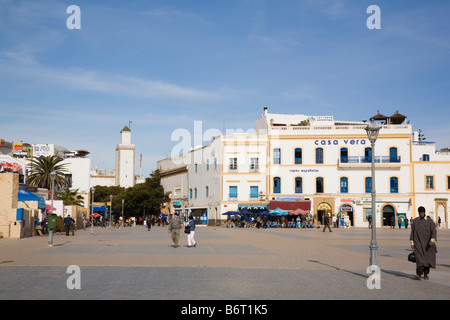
{"x": 265, "y": 110}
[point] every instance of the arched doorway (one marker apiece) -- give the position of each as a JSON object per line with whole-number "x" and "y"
{"x": 441, "y": 213}
{"x": 346, "y": 212}
{"x": 388, "y": 215}
{"x": 323, "y": 210}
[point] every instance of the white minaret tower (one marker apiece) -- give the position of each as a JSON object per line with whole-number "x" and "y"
{"x": 125, "y": 157}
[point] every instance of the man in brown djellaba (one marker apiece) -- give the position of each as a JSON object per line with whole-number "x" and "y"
{"x": 423, "y": 241}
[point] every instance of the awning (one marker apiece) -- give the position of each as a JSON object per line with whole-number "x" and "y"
{"x": 279, "y": 212}
{"x": 252, "y": 207}
{"x": 290, "y": 205}
{"x": 24, "y": 195}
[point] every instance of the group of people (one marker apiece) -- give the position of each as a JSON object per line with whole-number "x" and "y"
{"x": 175, "y": 225}
{"x": 266, "y": 221}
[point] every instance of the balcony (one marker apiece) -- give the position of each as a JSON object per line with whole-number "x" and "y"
{"x": 364, "y": 161}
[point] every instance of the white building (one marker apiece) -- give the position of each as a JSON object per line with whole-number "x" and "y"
{"x": 312, "y": 163}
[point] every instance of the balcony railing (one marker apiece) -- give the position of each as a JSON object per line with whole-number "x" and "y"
{"x": 368, "y": 159}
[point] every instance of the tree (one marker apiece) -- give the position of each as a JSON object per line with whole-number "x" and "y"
{"x": 145, "y": 197}
{"x": 71, "y": 198}
{"x": 41, "y": 167}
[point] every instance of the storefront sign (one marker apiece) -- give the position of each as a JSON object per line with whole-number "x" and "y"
{"x": 304, "y": 170}
{"x": 43, "y": 150}
{"x": 340, "y": 142}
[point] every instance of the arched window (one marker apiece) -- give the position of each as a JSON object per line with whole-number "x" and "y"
{"x": 394, "y": 184}
{"x": 277, "y": 185}
{"x": 298, "y": 155}
{"x": 368, "y": 154}
{"x": 298, "y": 185}
{"x": 319, "y": 185}
{"x": 344, "y": 155}
{"x": 319, "y": 156}
{"x": 393, "y": 155}
{"x": 368, "y": 184}
{"x": 344, "y": 185}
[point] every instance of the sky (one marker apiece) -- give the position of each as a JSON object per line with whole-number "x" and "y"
{"x": 160, "y": 66}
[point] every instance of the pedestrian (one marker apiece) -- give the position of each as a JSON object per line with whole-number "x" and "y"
{"x": 174, "y": 229}
{"x": 190, "y": 236}
{"x": 423, "y": 239}
{"x": 149, "y": 223}
{"x": 406, "y": 223}
{"x": 370, "y": 221}
{"x": 392, "y": 222}
{"x": 37, "y": 226}
{"x": 439, "y": 222}
{"x": 400, "y": 221}
{"x": 327, "y": 223}
{"x": 67, "y": 223}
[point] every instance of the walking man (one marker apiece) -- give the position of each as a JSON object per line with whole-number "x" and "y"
{"x": 174, "y": 229}
{"x": 326, "y": 221}
{"x": 67, "y": 223}
{"x": 423, "y": 239}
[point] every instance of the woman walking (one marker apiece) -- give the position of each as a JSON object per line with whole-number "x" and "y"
{"x": 190, "y": 236}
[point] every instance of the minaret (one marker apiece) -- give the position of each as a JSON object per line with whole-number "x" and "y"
{"x": 125, "y": 157}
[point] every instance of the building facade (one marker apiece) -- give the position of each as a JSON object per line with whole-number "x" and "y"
{"x": 316, "y": 164}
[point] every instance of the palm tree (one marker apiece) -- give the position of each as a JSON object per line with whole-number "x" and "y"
{"x": 71, "y": 198}
{"x": 41, "y": 167}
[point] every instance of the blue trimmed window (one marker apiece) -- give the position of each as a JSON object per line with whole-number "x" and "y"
{"x": 298, "y": 156}
{"x": 254, "y": 192}
{"x": 319, "y": 156}
{"x": 233, "y": 191}
{"x": 368, "y": 184}
{"x": 298, "y": 185}
{"x": 277, "y": 185}
{"x": 344, "y": 185}
{"x": 394, "y": 185}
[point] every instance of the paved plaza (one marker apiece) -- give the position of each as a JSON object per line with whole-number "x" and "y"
{"x": 228, "y": 264}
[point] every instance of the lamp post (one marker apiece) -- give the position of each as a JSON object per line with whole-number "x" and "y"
{"x": 123, "y": 201}
{"x": 92, "y": 211}
{"x": 50, "y": 230}
{"x": 110, "y": 210}
{"x": 372, "y": 132}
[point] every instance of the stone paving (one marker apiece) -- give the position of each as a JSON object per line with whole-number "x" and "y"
{"x": 228, "y": 264}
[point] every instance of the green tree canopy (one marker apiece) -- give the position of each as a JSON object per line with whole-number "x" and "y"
{"x": 41, "y": 167}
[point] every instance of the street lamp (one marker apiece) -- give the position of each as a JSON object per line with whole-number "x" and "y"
{"x": 92, "y": 211}
{"x": 50, "y": 231}
{"x": 372, "y": 133}
{"x": 110, "y": 210}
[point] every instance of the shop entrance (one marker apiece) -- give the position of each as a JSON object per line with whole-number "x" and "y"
{"x": 323, "y": 211}
{"x": 388, "y": 215}
{"x": 346, "y": 214}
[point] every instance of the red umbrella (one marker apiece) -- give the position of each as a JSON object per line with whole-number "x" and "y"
{"x": 49, "y": 208}
{"x": 298, "y": 211}
{"x": 95, "y": 214}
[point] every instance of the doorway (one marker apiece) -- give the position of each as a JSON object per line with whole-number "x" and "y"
{"x": 323, "y": 211}
{"x": 388, "y": 215}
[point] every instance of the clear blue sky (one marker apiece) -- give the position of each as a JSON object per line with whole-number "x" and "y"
{"x": 165, "y": 64}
